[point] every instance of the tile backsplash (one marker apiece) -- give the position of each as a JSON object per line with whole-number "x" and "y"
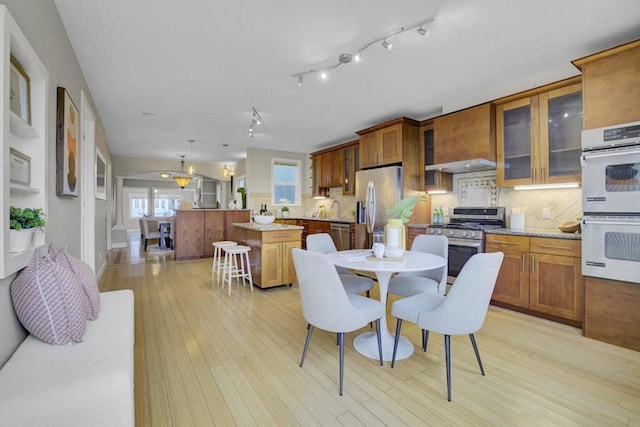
{"x": 479, "y": 189}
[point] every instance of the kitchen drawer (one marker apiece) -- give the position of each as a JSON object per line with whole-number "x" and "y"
{"x": 564, "y": 247}
{"x": 281, "y": 236}
{"x": 499, "y": 242}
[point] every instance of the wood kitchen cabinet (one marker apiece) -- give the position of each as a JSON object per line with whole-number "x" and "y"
{"x": 541, "y": 275}
{"x": 387, "y": 143}
{"x": 466, "y": 134}
{"x": 412, "y": 232}
{"x": 432, "y": 180}
{"x": 512, "y": 286}
{"x": 611, "y": 86}
{"x": 331, "y": 172}
{"x": 539, "y": 135}
{"x": 270, "y": 255}
{"x": 351, "y": 164}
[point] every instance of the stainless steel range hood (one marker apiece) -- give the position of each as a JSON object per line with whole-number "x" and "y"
{"x": 473, "y": 165}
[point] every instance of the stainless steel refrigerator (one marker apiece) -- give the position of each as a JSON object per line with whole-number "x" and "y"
{"x": 376, "y": 191}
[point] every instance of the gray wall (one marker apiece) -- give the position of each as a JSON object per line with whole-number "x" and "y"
{"x": 40, "y": 22}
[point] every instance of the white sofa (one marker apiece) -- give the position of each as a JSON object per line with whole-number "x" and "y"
{"x": 84, "y": 384}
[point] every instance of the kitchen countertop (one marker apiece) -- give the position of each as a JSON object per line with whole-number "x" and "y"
{"x": 267, "y": 227}
{"x": 530, "y": 232}
{"x": 304, "y": 218}
{"x": 536, "y": 232}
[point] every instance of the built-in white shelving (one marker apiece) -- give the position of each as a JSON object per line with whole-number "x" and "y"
{"x": 27, "y": 138}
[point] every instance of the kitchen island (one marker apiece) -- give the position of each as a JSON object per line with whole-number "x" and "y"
{"x": 270, "y": 255}
{"x": 196, "y": 230}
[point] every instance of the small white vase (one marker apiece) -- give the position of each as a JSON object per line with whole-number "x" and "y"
{"x": 21, "y": 240}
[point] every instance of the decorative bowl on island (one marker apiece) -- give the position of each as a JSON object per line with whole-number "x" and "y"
{"x": 264, "y": 219}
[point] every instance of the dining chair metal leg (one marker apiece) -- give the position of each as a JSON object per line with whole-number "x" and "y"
{"x": 475, "y": 348}
{"x": 425, "y": 339}
{"x": 341, "y": 341}
{"x": 379, "y": 341}
{"x": 306, "y": 343}
{"x": 447, "y": 357}
{"x": 395, "y": 341}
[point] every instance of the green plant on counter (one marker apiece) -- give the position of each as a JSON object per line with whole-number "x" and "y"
{"x": 404, "y": 209}
{"x": 22, "y": 219}
{"x": 284, "y": 209}
{"x": 243, "y": 195}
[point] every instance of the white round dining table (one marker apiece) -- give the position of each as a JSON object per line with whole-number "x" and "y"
{"x": 362, "y": 260}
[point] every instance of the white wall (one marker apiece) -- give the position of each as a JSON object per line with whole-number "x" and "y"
{"x": 41, "y": 24}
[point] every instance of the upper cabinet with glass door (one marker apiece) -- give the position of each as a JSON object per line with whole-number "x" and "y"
{"x": 538, "y": 136}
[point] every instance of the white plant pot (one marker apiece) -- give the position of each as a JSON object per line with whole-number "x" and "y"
{"x": 21, "y": 240}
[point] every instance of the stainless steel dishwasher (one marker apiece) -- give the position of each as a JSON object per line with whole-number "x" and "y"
{"x": 341, "y": 235}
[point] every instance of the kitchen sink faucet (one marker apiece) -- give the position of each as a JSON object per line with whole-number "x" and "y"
{"x": 332, "y": 211}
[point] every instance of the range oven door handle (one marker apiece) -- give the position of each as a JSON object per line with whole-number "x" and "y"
{"x": 465, "y": 243}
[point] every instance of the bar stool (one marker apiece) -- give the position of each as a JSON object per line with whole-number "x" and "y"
{"x": 231, "y": 270}
{"x": 217, "y": 258}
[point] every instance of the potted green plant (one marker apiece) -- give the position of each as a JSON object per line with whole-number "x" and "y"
{"x": 23, "y": 223}
{"x": 285, "y": 211}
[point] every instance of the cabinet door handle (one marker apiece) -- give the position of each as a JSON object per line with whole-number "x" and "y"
{"x": 533, "y": 263}
{"x": 523, "y": 266}
{"x": 556, "y": 247}
{"x": 503, "y": 242}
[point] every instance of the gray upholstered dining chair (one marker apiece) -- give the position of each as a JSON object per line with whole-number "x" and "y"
{"x": 151, "y": 231}
{"x": 326, "y": 304}
{"x": 412, "y": 283}
{"x": 461, "y": 312}
{"x": 354, "y": 284}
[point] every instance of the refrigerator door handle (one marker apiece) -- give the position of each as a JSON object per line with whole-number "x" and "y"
{"x": 371, "y": 207}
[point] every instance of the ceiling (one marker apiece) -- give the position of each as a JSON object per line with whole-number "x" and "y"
{"x": 199, "y": 66}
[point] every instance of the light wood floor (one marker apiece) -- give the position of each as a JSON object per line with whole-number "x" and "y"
{"x": 203, "y": 359}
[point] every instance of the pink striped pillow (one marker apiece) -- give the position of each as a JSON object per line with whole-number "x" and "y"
{"x": 49, "y": 301}
{"x": 85, "y": 277}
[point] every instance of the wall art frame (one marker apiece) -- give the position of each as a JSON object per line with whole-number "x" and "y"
{"x": 19, "y": 167}
{"x": 101, "y": 176}
{"x": 67, "y": 145}
{"x": 19, "y": 91}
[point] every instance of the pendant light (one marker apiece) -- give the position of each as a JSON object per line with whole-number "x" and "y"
{"x": 225, "y": 170}
{"x": 183, "y": 178}
{"x": 192, "y": 168}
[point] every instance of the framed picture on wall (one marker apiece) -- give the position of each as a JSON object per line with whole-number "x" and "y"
{"x": 101, "y": 176}
{"x": 67, "y": 145}
{"x": 19, "y": 91}
{"x": 19, "y": 167}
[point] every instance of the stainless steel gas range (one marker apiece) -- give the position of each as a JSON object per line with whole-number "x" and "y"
{"x": 465, "y": 232}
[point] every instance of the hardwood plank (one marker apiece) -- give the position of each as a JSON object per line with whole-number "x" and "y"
{"x": 203, "y": 358}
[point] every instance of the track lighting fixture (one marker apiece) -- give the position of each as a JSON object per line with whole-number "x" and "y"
{"x": 345, "y": 58}
{"x": 256, "y": 119}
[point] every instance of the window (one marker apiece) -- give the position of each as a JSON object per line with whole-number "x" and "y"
{"x": 166, "y": 202}
{"x": 138, "y": 205}
{"x": 285, "y": 179}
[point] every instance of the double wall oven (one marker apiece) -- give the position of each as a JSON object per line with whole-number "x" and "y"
{"x": 611, "y": 202}
{"x": 465, "y": 233}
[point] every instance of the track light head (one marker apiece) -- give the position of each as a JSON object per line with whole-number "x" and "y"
{"x": 423, "y": 31}
{"x": 324, "y": 75}
{"x": 387, "y": 45}
{"x": 300, "y": 80}
{"x": 344, "y": 58}
{"x": 357, "y": 57}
